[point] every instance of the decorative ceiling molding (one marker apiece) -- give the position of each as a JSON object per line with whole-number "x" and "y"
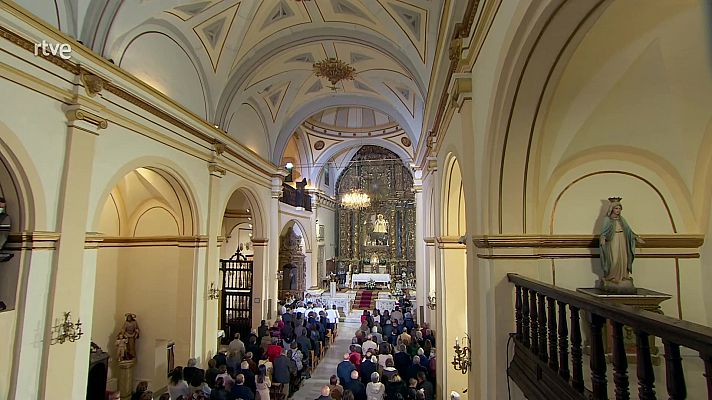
{"x": 188, "y": 11}
{"x": 412, "y": 20}
{"x": 273, "y": 97}
{"x": 404, "y": 94}
{"x": 214, "y": 31}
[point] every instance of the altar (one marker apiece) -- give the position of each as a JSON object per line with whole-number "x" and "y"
{"x": 363, "y": 278}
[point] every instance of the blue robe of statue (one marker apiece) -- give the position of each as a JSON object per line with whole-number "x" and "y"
{"x": 608, "y": 232}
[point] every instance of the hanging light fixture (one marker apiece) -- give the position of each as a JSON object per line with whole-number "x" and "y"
{"x": 355, "y": 200}
{"x": 334, "y": 70}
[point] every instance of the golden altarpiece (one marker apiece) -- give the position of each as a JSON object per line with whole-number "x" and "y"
{"x": 379, "y": 238}
{"x": 292, "y": 268}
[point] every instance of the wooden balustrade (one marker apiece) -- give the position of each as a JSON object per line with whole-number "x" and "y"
{"x": 541, "y": 366}
{"x": 296, "y": 197}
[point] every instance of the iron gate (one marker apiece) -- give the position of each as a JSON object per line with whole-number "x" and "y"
{"x": 236, "y": 296}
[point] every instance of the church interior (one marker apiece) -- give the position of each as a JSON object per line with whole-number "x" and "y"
{"x": 476, "y": 199}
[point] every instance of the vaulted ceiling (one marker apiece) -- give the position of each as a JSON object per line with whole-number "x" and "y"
{"x": 246, "y": 65}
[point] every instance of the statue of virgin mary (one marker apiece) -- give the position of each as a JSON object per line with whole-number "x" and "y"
{"x": 617, "y": 242}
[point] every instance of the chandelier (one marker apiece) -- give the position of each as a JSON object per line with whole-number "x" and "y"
{"x": 66, "y": 331}
{"x": 334, "y": 70}
{"x": 355, "y": 200}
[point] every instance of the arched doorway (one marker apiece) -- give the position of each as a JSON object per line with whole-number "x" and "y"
{"x": 145, "y": 266}
{"x": 292, "y": 271}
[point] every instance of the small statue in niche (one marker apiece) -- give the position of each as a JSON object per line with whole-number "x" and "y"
{"x": 379, "y": 235}
{"x": 131, "y": 332}
{"x": 121, "y": 345}
{"x": 5, "y": 225}
{"x": 617, "y": 242}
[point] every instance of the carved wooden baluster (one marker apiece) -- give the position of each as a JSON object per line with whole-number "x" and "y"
{"x": 598, "y": 358}
{"x": 646, "y": 375}
{"x": 620, "y": 362}
{"x": 563, "y": 343}
{"x": 707, "y": 358}
{"x": 534, "y": 322}
{"x": 518, "y": 312}
{"x": 675, "y": 378}
{"x": 543, "y": 354}
{"x": 525, "y": 317}
{"x": 576, "y": 352}
{"x": 553, "y": 361}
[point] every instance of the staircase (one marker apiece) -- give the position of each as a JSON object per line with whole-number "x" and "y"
{"x": 365, "y": 300}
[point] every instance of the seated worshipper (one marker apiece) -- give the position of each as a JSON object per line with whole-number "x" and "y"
{"x": 337, "y": 391}
{"x": 357, "y": 345}
{"x": 344, "y": 369}
{"x": 356, "y": 387}
{"x": 389, "y": 371}
{"x": 147, "y": 395}
{"x": 375, "y": 390}
{"x": 176, "y": 385}
{"x": 397, "y": 315}
{"x": 262, "y": 383}
{"x": 395, "y": 387}
{"x": 140, "y": 388}
{"x": 369, "y": 345}
{"x": 220, "y": 358}
{"x": 385, "y": 318}
{"x": 282, "y": 371}
{"x": 325, "y": 393}
{"x": 274, "y": 350}
{"x": 412, "y": 389}
{"x": 248, "y": 374}
{"x": 219, "y": 392}
{"x": 191, "y": 369}
{"x": 263, "y": 330}
{"x": 253, "y": 347}
{"x": 227, "y": 379}
{"x": 355, "y": 357}
{"x": 211, "y": 373}
{"x": 402, "y": 361}
{"x": 298, "y": 358}
{"x": 251, "y": 361}
{"x": 369, "y": 365}
{"x": 424, "y": 361}
{"x": 197, "y": 384}
{"x": 405, "y": 338}
{"x": 426, "y": 386}
{"x": 384, "y": 354}
{"x": 233, "y": 362}
{"x": 376, "y": 334}
{"x": 240, "y": 391}
{"x": 416, "y": 367}
{"x": 267, "y": 364}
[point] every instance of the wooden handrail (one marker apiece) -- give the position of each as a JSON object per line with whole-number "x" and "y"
{"x": 684, "y": 333}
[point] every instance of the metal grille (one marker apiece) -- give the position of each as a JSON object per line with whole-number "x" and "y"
{"x": 236, "y": 297}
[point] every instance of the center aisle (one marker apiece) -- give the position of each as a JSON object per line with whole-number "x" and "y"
{"x": 320, "y": 376}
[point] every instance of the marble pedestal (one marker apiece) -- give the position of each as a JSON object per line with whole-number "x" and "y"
{"x": 126, "y": 378}
{"x": 643, "y": 299}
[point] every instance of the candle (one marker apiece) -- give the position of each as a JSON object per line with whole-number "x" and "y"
{"x": 457, "y": 341}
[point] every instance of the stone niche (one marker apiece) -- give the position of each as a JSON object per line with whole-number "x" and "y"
{"x": 292, "y": 266}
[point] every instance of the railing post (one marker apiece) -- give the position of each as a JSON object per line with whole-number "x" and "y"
{"x": 620, "y": 362}
{"x": 553, "y": 361}
{"x": 646, "y": 375}
{"x": 576, "y": 352}
{"x": 534, "y": 322}
{"x": 707, "y": 359}
{"x": 543, "y": 354}
{"x": 563, "y": 343}
{"x": 518, "y": 312}
{"x": 598, "y": 358}
{"x": 675, "y": 377}
{"x": 525, "y": 317}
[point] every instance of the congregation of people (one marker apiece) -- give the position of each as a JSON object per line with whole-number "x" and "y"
{"x": 391, "y": 357}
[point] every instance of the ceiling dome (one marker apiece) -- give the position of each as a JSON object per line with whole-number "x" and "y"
{"x": 352, "y": 119}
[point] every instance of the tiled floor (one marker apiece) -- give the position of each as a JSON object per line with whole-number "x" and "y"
{"x": 327, "y": 367}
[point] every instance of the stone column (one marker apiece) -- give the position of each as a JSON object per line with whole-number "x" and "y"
{"x": 421, "y": 273}
{"x": 274, "y": 245}
{"x": 66, "y": 369}
{"x": 259, "y": 280}
{"x": 206, "y": 311}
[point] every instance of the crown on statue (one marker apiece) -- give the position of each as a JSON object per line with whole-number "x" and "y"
{"x": 615, "y": 199}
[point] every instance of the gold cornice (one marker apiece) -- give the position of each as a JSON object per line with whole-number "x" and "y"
{"x": 679, "y": 241}
{"x": 149, "y": 241}
{"x": 79, "y": 49}
{"x": 32, "y": 240}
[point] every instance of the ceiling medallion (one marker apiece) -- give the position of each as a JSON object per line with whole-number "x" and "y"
{"x": 319, "y": 145}
{"x": 355, "y": 200}
{"x": 334, "y": 70}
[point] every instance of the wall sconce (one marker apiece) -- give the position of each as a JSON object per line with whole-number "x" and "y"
{"x": 213, "y": 293}
{"x": 67, "y": 330}
{"x": 432, "y": 302}
{"x": 280, "y": 275}
{"x": 461, "y": 361}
